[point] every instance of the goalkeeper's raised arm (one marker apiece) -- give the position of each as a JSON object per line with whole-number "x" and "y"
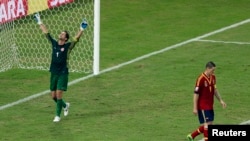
{"x": 83, "y": 26}
{"x": 39, "y": 21}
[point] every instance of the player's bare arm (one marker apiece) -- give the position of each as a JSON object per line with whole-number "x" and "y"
{"x": 79, "y": 34}
{"x": 43, "y": 28}
{"x": 195, "y": 104}
{"x": 217, "y": 95}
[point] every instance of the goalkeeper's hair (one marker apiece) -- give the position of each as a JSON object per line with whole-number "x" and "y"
{"x": 67, "y": 34}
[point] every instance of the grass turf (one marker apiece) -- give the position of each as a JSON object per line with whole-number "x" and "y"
{"x": 149, "y": 100}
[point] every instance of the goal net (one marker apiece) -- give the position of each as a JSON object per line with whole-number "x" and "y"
{"x": 22, "y": 43}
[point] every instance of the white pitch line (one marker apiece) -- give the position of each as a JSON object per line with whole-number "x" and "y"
{"x": 225, "y": 42}
{"x": 245, "y": 122}
{"x": 126, "y": 63}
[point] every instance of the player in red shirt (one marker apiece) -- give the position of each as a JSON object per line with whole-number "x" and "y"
{"x": 203, "y": 100}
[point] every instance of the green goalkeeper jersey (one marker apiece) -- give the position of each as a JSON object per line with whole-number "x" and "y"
{"x": 60, "y": 55}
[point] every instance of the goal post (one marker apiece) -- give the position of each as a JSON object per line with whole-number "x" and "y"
{"x": 96, "y": 64}
{"x": 23, "y": 45}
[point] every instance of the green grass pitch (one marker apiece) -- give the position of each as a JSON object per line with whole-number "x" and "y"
{"x": 148, "y": 100}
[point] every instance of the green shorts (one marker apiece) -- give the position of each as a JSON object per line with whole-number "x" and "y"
{"x": 58, "y": 82}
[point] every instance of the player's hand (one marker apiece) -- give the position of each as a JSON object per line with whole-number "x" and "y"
{"x": 224, "y": 105}
{"x": 195, "y": 111}
{"x": 37, "y": 18}
{"x": 84, "y": 24}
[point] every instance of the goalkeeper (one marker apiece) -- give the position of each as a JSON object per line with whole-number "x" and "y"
{"x": 61, "y": 49}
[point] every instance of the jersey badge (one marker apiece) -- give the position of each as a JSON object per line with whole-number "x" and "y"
{"x": 205, "y": 84}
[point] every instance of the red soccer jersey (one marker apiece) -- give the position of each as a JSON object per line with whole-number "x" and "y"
{"x": 205, "y": 87}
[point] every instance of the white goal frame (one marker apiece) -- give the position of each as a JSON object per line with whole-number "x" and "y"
{"x": 30, "y": 51}
{"x": 96, "y": 62}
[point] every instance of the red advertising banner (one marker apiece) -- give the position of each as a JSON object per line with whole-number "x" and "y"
{"x": 12, "y": 9}
{"x": 56, "y": 3}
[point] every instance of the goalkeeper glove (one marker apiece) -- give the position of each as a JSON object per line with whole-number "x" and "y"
{"x": 83, "y": 25}
{"x": 37, "y": 18}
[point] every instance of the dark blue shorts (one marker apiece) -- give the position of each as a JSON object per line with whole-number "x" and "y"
{"x": 205, "y": 116}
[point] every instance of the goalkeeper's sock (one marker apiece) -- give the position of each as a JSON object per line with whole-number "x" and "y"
{"x": 198, "y": 131}
{"x": 63, "y": 104}
{"x": 59, "y": 107}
